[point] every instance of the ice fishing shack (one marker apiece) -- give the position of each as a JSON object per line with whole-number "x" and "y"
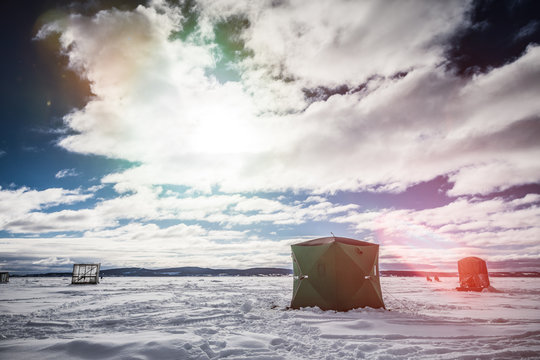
{"x": 336, "y": 273}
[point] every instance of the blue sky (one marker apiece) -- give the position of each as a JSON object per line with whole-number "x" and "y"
{"x": 159, "y": 134}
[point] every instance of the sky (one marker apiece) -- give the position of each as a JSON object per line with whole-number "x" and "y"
{"x": 218, "y": 133}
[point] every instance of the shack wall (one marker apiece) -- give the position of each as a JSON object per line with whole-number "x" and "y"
{"x": 85, "y": 274}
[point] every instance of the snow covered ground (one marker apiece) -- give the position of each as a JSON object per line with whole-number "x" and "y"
{"x": 246, "y": 318}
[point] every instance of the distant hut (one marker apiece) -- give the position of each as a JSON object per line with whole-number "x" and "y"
{"x": 4, "y": 277}
{"x": 85, "y": 274}
{"x": 473, "y": 274}
{"x": 336, "y": 273}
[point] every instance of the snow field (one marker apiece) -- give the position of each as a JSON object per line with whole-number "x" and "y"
{"x": 246, "y": 318}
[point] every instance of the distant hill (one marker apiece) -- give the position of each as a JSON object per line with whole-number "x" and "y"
{"x": 199, "y": 271}
{"x": 179, "y": 271}
{"x": 196, "y": 271}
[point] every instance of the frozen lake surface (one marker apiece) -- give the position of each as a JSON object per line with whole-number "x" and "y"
{"x": 246, "y": 318}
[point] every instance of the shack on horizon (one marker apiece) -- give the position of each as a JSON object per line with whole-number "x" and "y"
{"x": 473, "y": 274}
{"x": 4, "y": 277}
{"x": 85, "y": 273}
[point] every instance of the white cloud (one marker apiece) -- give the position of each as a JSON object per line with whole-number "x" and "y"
{"x": 17, "y": 204}
{"x": 156, "y": 102}
{"x": 65, "y": 173}
{"x": 441, "y": 235}
{"x": 149, "y": 246}
{"x": 154, "y": 204}
{"x": 53, "y": 261}
{"x": 343, "y": 42}
{"x": 395, "y": 133}
{"x": 59, "y": 221}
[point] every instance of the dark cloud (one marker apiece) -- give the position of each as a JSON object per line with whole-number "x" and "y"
{"x": 522, "y": 134}
{"x": 515, "y": 192}
{"x": 22, "y": 264}
{"x": 526, "y": 264}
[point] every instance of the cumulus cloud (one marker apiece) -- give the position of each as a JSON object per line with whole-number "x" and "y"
{"x": 330, "y": 43}
{"x": 497, "y": 229}
{"x": 151, "y": 204}
{"x": 494, "y": 229}
{"x": 329, "y": 96}
{"x": 18, "y": 203}
{"x": 395, "y": 132}
{"x": 139, "y": 245}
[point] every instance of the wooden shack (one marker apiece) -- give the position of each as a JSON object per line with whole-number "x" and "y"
{"x": 4, "y": 277}
{"x": 85, "y": 274}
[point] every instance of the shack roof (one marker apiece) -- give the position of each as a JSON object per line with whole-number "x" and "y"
{"x": 332, "y": 239}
